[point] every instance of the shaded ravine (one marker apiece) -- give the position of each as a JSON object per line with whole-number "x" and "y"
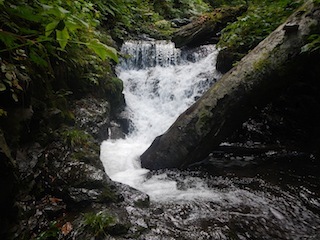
{"x": 254, "y": 200}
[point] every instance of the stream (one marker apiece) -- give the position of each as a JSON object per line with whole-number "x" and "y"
{"x": 267, "y": 195}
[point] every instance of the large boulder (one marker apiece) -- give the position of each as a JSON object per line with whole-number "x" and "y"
{"x": 272, "y": 66}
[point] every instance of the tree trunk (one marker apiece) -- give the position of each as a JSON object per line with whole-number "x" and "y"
{"x": 222, "y": 109}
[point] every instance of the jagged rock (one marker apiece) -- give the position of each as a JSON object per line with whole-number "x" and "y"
{"x": 133, "y": 197}
{"x": 93, "y": 115}
{"x": 72, "y": 179}
{"x": 116, "y": 131}
{"x": 272, "y": 66}
{"x": 206, "y": 28}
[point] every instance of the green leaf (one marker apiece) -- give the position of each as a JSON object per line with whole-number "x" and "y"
{"x": 62, "y": 10}
{"x": 2, "y": 87}
{"x": 3, "y": 68}
{"x": 10, "y": 76}
{"x": 34, "y": 56}
{"x": 15, "y": 97}
{"x": 50, "y": 27}
{"x": 28, "y": 31}
{"x": 102, "y": 50}
{"x": 109, "y": 10}
{"x": 27, "y": 12}
{"x": 2, "y": 112}
{"x": 71, "y": 25}
{"x": 46, "y": 7}
{"x": 62, "y": 37}
{"x": 81, "y": 21}
{"x": 58, "y": 12}
{"x": 7, "y": 39}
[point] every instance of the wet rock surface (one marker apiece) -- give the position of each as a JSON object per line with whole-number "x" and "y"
{"x": 66, "y": 190}
{"x": 93, "y": 115}
{"x": 225, "y": 60}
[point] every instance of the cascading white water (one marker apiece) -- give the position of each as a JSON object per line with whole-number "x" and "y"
{"x": 160, "y": 82}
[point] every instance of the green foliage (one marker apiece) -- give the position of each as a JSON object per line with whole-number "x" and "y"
{"x": 180, "y": 8}
{"x": 3, "y": 112}
{"x": 39, "y": 26}
{"x": 51, "y": 233}
{"x": 98, "y": 222}
{"x": 108, "y": 195}
{"x": 114, "y": 85}
{"x": 257, "y": 23}
{"x": 313, "y": 45}
{"x": 73, "y": 137}
{"x": 219, "y": 3}
{"x": 102, "y": 50}
{"x": 48, "y": 39}
{"x": 13, "y": 79}
{"x": 143, "y": 16}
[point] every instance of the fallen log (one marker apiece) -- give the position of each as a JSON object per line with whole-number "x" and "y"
{"x": 253, "y": 82}
{"x": 205, "y": 29}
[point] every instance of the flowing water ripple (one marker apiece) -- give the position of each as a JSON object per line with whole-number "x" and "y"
{"x": 240, "y": 208}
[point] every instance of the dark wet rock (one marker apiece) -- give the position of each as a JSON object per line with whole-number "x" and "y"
{"x": 73, "y": 179}
{"x": 64, "y": 176}
{"x": 54, "y": 117}
{"x": 8, "y": 186}
{"x": 226, "y": 59}
{"x": 142, "y": 202}
{"x": 93, "y": 115}
{"x": 80, "y": 174}
{"x": 134, "y": 197}
{"x": 27, "y": 159}
{"x": 79, "y": 195}
{"x": 116, "y": 131}
{"x": 111, "y": 221}
{"x": 127, "y": 216}
{"x": 206, "y": 28}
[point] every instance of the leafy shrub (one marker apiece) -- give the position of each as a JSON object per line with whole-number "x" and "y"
{"x": 313, "y": 45}
{"x": 41, "y": 36}
{"x": 74, "y": 137}
{"x": 257, "y": 23}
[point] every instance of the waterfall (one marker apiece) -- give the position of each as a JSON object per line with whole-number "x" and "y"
{"x": 160, "y": 82}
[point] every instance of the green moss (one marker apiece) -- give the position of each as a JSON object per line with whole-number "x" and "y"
{"x": 51, "y": 233}
{"x": 98, "y": 223}
{"x": 114, "y": 86}
{"x": 203, "y": 118}
{"x": 259, "y": 65}
{"x": 73, "y": 137}
{"x": 108, "y": 195}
